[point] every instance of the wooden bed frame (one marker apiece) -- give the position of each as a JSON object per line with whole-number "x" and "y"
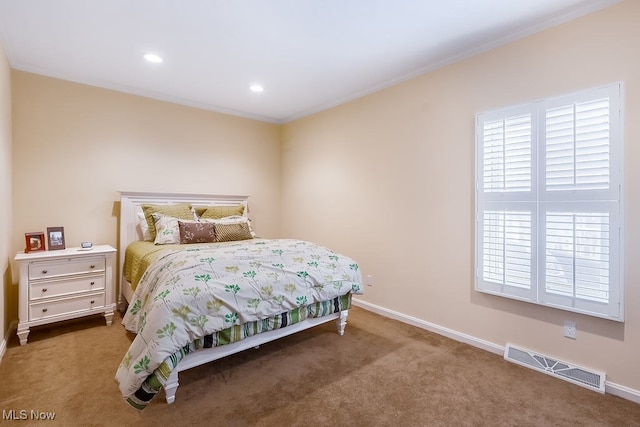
{"x": 130, "y": 206}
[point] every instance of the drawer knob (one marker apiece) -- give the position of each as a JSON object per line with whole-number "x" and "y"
{"x": 44, "y": 271}
{"x": 93, "y": 266}
{"x": 44, "y": 310}
{"x": 92, "y": 283}
{"x": 44, "y": 289}
{"x": 93, "y": 301}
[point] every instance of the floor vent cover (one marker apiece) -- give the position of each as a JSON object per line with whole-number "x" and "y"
{"x": 587, "y": 378}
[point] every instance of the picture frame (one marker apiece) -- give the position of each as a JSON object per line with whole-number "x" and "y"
{"x": 55, "y": 238}
{"x": 34, "y": 242}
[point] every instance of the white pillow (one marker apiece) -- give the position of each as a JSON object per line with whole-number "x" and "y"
{"x": 143, "y": 228}
{"x": 167, "y": 229}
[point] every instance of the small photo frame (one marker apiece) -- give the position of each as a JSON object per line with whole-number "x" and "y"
{"x": 34, "y": 242}
{"x": 55, "y": 237}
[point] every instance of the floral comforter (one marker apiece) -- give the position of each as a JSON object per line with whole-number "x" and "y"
{"x": 188, "y": 294}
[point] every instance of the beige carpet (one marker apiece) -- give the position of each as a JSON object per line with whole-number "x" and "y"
{"x": 380, "y": 373}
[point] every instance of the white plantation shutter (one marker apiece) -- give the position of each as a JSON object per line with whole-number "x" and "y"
{"x": 506, "y": 264}
{"x": 548, "y": 202}
{"x": 507, "y": 154}
{"x": 577, "y": 146}
{"x": 577, "y": 252}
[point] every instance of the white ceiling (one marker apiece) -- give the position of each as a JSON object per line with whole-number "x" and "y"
{"x": 308, "y": 54}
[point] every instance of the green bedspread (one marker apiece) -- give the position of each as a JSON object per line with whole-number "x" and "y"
{"x": 188, "y": 294}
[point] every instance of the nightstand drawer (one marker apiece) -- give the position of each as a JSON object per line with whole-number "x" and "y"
{"x": 55, "y": 288}
{"x": 65, "y": 267}
{"x": 43, "y": 310}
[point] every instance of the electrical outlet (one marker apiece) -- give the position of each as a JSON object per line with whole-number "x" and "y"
{"x": 570, "y": 329}
{"x": 369, "y": 280}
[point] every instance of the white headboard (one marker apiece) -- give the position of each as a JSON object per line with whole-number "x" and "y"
{"x": 131, "y": 201}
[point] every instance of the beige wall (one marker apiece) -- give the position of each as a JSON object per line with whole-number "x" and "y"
{"x": 5, "y": 195}
{"x": 76, "y": 146}
{"x": 389, "y": 179}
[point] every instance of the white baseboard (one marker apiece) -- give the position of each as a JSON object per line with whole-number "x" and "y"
{"x": 611, "y": 388}
{"x": 622, "y": 391}
{"x": 5, "y": 340}
{"x": 440, "y": 330}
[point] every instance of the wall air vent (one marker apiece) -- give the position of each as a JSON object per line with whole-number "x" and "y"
{"x": 584, "y": 377}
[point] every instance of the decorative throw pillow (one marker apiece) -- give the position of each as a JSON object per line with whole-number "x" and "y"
{"x": 233, "y": 220}
{"x": 179, "y": 210}
{"x": 217, "y": 212}
{"x": 167, "y": 229}
{"x": 227, "y": 232}
{"x": 196, "y": 232}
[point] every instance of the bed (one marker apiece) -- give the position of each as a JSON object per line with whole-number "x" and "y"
{"x": 199, "y": 285}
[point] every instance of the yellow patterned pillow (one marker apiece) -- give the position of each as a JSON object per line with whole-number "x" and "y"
{"x": 179, "y": 210}
{"x": 217, "y": 212}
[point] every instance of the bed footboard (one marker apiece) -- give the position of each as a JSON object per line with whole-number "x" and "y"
{"x": 209, "y": 355}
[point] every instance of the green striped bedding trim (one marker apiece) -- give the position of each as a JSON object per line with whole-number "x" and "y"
{"x": 154, "y": 382}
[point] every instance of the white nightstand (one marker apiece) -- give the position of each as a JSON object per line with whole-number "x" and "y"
{"x": 64, "y": 284}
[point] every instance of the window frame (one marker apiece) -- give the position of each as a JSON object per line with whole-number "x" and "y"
{"x": 538, "y": 200}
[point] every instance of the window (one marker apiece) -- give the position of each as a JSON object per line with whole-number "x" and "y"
{"x": 549, "y": 202}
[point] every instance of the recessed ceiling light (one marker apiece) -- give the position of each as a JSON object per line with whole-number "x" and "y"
{"x": 256, "y": 88}
{"x": 153, "y": 58}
